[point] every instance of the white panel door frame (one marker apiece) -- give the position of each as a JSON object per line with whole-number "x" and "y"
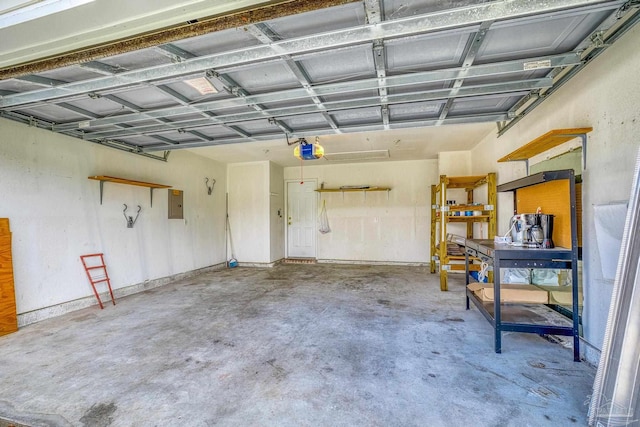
{"x": 314, "y": 214}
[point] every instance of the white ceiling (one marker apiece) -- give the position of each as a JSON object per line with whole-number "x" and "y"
{"x": 364, "y": 76}
{"x": 403, "y": 144}
{"x": 98, "y": 22}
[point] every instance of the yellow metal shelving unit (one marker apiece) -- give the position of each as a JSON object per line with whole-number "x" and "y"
{"x": 443, "y": 214}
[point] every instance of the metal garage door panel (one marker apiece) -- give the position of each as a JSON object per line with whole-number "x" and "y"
{"x": 416, "y": 110}
{"x": 537, "y": 36}
{"x": 359, "y": 116}
{"x": 142, "y": 140}
{"x": 139, "y": 59}
{"x": 426, "y": 52}
{"x": 99, "y": 106}
{"x": 306, "y": 121}
{"x": 319, "y": 21}
{"x": 219, "y": 41}
{"x": 484, "y": 104}
{"x": 395, "y": 9}
{"x": 15, "y": 85}
{"x": 397, "y": 90}
{"x": 53, "y": 113}
{"x": 147, "y": 98}
{"x": 69, "y": 74}
{"x": 216, "y": 132}
{"x": 265, "y": 77}
{"x": 339, "y": 64}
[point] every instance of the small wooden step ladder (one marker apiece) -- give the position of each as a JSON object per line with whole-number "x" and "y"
{"x": 97, "y": 273}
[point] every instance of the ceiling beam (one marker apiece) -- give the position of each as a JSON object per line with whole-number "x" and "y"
{"x": 120, "y": 145}
{"x": 484, "y": 70}
{"x": 519, "y": 88}
{"x": 183, "y": 100}
{"x": 266, "y": 36}
{"x": 135, "y": 108}
{"x": 409, "y": 26}
{"x": 472, "y": 49}
{"x": 110, "y": 70}
{"x": 375, "y": 15}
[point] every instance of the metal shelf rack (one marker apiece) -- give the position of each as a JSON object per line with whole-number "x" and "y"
{"x": 507, "y": 256}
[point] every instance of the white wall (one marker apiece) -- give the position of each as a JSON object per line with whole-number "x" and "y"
{"x": 56, "y": 216}
{"x": 454, "y": 163}
{"x": 376, "y": 226}
{"x": 276, "y": 212}
{"x": 248, "y": 187}
{"x": 605, "y": 95}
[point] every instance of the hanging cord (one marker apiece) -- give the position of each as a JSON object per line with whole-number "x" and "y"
{"x": 509, "y": 230}
{"x": 301, "y": 179}
{"x": 484, "y": 270}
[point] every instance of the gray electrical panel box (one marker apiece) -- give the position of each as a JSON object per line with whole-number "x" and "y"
{"x": 175, "y": 204}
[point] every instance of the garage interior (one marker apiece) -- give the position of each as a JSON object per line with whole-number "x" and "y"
{"x": 253, "y": 287}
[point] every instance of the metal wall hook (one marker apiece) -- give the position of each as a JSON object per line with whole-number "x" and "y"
{"x": 209, "y": 188}
{"x": 131, "y": 220}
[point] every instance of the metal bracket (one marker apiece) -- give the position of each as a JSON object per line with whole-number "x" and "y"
{"x": 597, "y": 40}
{"x": 131, "y": 220}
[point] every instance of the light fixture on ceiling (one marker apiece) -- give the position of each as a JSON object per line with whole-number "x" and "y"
{"x": 202, "y": 85}
{"x": 208, "y": 84}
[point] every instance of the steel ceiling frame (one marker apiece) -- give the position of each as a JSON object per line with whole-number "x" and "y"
{"x": 472, "y": 22}
{"x": 432, "y": 95}
{"x": 456, "y": 18}
{"x": 442, "y": 75}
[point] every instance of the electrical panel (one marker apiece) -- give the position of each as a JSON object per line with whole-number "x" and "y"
{"x": 175, "y": 204}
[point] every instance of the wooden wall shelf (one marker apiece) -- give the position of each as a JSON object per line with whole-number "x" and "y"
{"x": 104, "y": 178}
{"x": 545, "y": 142}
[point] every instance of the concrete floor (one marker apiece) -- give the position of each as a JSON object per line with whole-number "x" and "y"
{"x": 295, "y": 345}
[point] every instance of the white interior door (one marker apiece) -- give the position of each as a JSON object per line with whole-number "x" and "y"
{"x": 301, "y": 219}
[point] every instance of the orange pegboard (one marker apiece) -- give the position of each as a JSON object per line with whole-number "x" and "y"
{"x": 553, "y": 198}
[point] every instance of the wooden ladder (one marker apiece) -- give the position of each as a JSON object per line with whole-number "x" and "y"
{"x": 97, "y": 273}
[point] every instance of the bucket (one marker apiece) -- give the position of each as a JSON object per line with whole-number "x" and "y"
{"x": 476, "y": 276}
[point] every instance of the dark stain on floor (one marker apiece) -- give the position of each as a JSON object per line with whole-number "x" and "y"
{"x": 99, "y": 415}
